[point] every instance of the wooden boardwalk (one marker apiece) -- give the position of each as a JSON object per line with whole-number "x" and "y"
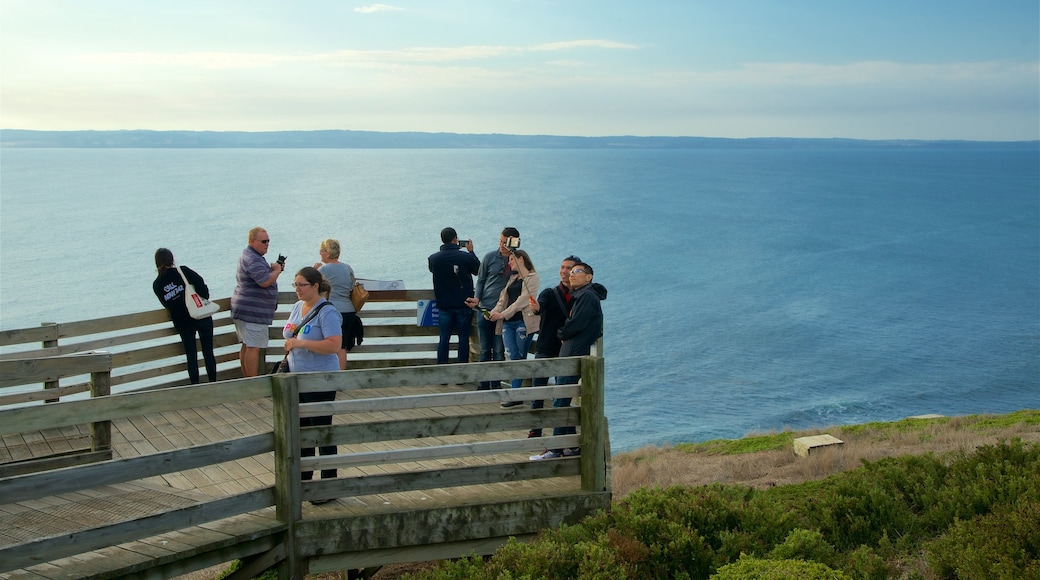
{"x": 88, "y": 510}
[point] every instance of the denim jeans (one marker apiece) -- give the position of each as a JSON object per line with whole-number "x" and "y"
{"x": 565, "y": 402}
{"x": 517, "y": 343}
{"x": 456, "y": 321}
{"x": 491, "y": 346}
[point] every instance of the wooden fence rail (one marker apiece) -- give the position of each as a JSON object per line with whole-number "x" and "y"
{"x": 146, "y": 351}
{"x": 426, "y": 470}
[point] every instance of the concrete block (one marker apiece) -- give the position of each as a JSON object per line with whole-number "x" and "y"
{"x": 804, "y": 445}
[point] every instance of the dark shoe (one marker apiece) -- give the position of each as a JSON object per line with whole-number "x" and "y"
{"x": 573, "y": 452}
{"x": 534, "y": 433}
{"x": 320, "y": 501}
{"x": 511, "y": 404}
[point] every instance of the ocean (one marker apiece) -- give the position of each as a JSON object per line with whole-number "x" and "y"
{"x": 750, "y": 290}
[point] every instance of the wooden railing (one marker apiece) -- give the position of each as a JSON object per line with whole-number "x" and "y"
{"x": 94, "y": 441}
{"x": 389, "y": 441}
{"x": 146, "y": 351}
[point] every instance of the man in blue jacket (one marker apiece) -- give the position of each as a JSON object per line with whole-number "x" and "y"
{"x": 453, "y": 271}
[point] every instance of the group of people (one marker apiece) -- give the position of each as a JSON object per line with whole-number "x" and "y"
{"x": 320, "y": 345}
{"x": 323, "y": 325}
{"x": 321, "y": 328}
{"x": 567, "y": 318}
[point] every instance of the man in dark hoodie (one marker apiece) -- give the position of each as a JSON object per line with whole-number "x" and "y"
{"x": 581, "y": 330}
{"x": 453, "y": 271}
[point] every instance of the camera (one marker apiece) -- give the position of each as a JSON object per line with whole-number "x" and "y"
{"x": 512, "y": 243}
{"x": 464, "y": 243}
{"x": 281, "y": 261}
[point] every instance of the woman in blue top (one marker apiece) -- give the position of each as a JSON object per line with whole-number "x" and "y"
{"x": 314, "y": 347}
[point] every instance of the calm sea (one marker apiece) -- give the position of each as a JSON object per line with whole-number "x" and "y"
{"x": 750, "y": 290}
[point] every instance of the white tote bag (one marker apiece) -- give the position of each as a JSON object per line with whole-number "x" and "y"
{"x": 198, "y": 307}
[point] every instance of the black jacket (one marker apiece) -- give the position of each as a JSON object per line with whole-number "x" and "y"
{"x": 584, "y": 324}
{"x": 453, "y": 271}
{"x": 169, "y": 289}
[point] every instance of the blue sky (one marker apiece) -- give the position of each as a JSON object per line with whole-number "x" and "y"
{"x": 910, "y": 69}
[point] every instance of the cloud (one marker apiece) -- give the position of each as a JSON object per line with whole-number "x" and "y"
{"x": 227, "y": 60}
{"x": 373, "y": 8}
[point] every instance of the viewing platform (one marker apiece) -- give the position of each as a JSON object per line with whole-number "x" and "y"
{"x": 149, "y": 477}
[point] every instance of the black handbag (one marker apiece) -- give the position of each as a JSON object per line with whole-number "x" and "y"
{"x": 282, "y": 366}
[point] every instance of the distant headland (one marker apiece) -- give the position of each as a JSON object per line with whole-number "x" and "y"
{"x": 345, "y": 139}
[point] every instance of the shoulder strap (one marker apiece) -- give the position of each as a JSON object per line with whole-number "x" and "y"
{"x": 559, "y": 299}
{"x": 183, "y": 277}
{"x": 310, "y": 317}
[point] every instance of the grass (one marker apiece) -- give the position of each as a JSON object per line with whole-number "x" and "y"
{"x": 766, "y": 460}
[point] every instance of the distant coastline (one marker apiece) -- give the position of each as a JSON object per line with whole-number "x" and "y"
{"x": 345, "y": 139}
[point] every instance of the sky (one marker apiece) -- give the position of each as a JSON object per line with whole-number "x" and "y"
{"x": 879, "y": 69}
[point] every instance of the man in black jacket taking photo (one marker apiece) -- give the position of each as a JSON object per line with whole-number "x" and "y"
{"x": 453, "y": 270}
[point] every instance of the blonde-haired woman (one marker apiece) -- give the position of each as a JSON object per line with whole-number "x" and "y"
{"x": 341, "y": 278}
{"x": 516, "y": 320}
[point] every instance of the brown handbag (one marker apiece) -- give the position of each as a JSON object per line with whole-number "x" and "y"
{"x": 358, "y": 296}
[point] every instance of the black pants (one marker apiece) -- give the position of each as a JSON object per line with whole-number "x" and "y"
{"x": 204, "y": 328}
{"x": 319, "y": 397}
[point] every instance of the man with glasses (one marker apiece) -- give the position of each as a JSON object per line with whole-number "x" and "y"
{"x": 255, "y": 299}
{"x": 553, "y": 305}
{"x": 491, "y": 279}
{"x": 581, "y": 330}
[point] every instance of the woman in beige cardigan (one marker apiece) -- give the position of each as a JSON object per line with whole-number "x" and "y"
{"x": 516, "y": 321}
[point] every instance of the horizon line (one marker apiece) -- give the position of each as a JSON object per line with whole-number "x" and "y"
{"x": 522, "y": 135}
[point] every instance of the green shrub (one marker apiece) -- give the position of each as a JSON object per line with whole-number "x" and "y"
{"x": 749, "y": 568}
{"x": 804, "y": 545}
{"x": 865, "y": 563}
{"x": 871, "y": 523}
{"x": 1004, "y": 544}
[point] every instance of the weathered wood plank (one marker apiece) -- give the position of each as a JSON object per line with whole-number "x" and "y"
{"x": 122, "y": 470}
{"x": 38, "y": 370}
{"x": 47, "y": 332}
{"x": 439, "y": 426}
{"x": 441, "y": 374}
{"x": 65, "y": 545}
{"x": 42, "y": 395}
{"x": 439, "y": 452}
{"x": 129, "y": 404}
{"x": 420, "y": 527}
{"x": 442, "y": 477}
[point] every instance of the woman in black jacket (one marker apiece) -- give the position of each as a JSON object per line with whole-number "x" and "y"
{"x": 169, "y": 289}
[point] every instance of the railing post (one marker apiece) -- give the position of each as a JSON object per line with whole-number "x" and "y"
{"x": 593, "y": 425}
{"x": 101, "y": 431}
{"x": 51, "y": 344}
{"x": 285, "y": 399}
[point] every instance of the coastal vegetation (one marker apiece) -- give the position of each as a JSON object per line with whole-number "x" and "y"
{"x": 964, "y": 505}
{"x": 924, "y": 498}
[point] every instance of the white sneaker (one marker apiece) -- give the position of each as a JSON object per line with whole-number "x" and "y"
{"x": 548, "y": 454}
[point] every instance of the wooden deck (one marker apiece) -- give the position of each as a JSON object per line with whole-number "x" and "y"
{"x": 384, "y": 507}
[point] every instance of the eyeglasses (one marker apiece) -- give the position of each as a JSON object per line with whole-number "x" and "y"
{"x": 268, "y": 241}
{"x": 302, "y": 285}
{"x": 578, "y": 271}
